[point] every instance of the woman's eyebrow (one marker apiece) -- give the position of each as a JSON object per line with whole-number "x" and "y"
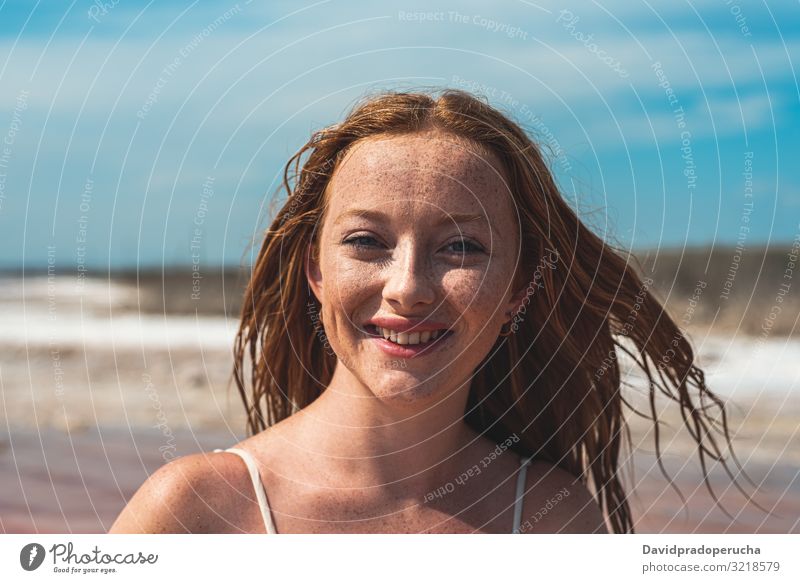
{"x": 380, "y": 217}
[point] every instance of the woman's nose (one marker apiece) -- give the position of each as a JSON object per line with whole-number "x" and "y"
{"x": 409, "y": 279}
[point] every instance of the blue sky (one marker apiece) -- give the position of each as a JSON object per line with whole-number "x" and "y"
{"x": 128, "y": 121}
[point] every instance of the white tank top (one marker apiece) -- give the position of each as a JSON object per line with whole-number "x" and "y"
{"x": 266, "y": 514}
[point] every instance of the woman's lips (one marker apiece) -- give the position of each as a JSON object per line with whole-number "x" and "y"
{"x": 407, "y": 350}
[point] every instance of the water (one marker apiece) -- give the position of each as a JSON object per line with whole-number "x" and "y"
{"x": 105, "y": 314}
{"x": 98, "y": 314}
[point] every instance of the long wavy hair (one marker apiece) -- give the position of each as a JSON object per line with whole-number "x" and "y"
{"x": 555, "y": 380}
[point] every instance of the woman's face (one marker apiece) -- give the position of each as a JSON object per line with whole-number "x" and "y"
{"x": 421, "y": 231}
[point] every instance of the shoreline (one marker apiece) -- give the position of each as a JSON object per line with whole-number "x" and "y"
{"x": 106, "y": 383}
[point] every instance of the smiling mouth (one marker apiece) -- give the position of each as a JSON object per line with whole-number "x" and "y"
{"x": 425, "y": 338}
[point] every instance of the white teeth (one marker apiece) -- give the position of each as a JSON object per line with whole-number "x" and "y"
{"x": 406, "y": 338}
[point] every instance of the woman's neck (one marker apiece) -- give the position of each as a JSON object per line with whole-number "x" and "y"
{"x": 361, "y": 440}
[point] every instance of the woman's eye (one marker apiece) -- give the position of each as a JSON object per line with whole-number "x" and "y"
{"x": 470, "y": 247}
{"x": 356, "y": 241}
{"x": 462, "y": 247}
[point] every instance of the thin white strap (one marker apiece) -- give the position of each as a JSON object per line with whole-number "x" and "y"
{"x": 520, "y": 494}
{"x": 258, "y": 486}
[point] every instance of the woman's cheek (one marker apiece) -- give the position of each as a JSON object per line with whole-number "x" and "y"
{"x": 479, "y": 296}
{"x": 347, "y": 278}
{"x": 464, "y": 286}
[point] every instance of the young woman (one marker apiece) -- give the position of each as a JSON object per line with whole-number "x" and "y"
{"x": 429, "y": 343}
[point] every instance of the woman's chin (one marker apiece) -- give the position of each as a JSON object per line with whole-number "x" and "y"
{"x": 406, "y": 391}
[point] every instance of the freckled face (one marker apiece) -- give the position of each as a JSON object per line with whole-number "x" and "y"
{"x": 414, "y": 256}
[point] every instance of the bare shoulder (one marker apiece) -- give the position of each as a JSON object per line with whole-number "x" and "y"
{"x": 557, "y": 502}
{"x": 204, "y": 492}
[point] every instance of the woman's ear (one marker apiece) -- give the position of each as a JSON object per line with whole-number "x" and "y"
{"x": 526, "y": 289}
{"x": 313, "y": 273}
{"x": 515, "y": 303}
